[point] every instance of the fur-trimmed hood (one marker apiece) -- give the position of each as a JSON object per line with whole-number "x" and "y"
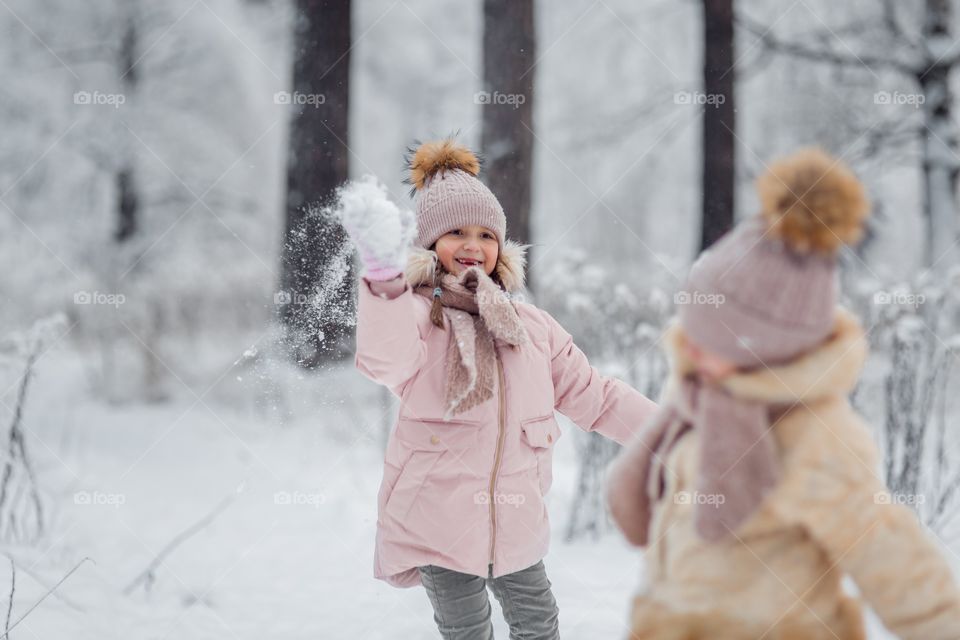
{"x": 511, "y": 266}
{"x": 832, "y": 368}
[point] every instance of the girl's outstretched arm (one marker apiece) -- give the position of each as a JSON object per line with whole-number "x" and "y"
{"x": 594, "y": 402}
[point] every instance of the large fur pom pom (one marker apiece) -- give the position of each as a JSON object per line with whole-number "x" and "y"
{"x": 431, "y": 158}
{"x": 813, "y": 202}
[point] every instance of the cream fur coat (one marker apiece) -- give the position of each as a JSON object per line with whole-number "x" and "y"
{"x": 779, "y": 577}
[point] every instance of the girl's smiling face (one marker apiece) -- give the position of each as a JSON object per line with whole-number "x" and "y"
{"x": 466, "y": 247}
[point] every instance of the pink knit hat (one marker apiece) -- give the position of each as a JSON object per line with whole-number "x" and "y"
{"x": 766, "y": 291}
{"x": 448, "y": 193}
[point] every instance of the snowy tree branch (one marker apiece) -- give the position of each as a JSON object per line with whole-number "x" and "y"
{"x": 802, "y": 50}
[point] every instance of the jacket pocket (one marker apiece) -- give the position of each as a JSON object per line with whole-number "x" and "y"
{"x": 541, "y": 434}
{"x": 428, "y": 441}
{"x": 437, "y": 434}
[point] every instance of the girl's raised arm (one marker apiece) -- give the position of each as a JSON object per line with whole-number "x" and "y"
{"x": 390, "y": 349}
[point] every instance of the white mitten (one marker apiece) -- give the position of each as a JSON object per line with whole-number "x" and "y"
{"x": 379, "y": 229}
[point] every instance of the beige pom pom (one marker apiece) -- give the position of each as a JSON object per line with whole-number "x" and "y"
{"x": 813, "y": 202}
{"x": 431, "y": 158}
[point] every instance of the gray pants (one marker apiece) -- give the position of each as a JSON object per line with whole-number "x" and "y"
{"x": 461, "y": 607}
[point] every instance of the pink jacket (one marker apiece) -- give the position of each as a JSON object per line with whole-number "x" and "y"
{"x": 434, "y": 503}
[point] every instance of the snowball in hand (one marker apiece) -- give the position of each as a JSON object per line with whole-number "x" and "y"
{"x": 380, "y": 230}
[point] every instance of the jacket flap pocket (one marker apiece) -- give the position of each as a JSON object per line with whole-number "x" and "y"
{"x": 540, "y": 432}
{"x": 436, "y": 434}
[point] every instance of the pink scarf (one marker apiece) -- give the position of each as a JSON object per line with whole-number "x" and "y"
{"x": 739, "y": 463}
{"x": 477, "y": 311}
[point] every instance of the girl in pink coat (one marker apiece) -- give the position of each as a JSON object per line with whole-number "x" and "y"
{"x": 479, "y": 376}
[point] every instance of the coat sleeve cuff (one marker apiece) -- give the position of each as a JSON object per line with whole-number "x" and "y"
{"x": 388, "y": 289}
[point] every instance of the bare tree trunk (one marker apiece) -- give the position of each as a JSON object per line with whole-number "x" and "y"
{"x": 509, "y": 43}
{"x": 128, "y": 211}
{"x": 939, "y": 139}
{"x": 317, "y": 165}
{"x": 125, "y": 180}
{"x": 128, "y": 204}
{"x": 718, "y": 121}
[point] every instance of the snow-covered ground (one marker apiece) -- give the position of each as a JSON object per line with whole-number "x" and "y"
{"x": 263, "y": 567}
{"x": 290, "y": 556}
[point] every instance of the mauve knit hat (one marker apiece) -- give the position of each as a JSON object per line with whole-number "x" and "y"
{"x": 448, "y": 193}
{"x": 766, "y": 291}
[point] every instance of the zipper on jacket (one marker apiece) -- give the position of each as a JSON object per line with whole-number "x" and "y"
{"x": 496, "y": 460}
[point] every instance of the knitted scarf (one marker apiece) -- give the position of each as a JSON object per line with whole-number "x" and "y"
{"x": 477, "y": 311}
{"x": 739, "y": 464}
